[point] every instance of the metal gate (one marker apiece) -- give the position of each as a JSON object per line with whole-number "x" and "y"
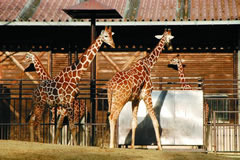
{"x": 222, "y": 132}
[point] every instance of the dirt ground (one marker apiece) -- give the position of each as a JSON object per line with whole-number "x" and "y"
{"x": 37, "y": 151}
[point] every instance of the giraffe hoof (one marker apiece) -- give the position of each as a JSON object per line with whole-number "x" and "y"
{"x": 159, "y": 148}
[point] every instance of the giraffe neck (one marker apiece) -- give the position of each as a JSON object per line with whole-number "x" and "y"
{"x": 88, "y": 56}
{"x": 182, "y": 77}
{"x": 76, "y": 69}
{"x": 152, "y": 58}
{"x": 41, "y": 71}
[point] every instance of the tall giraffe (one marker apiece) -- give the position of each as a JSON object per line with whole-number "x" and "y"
{"x": 178, "y": 62}
{"x": 63, "y": 88}
{"x": 79, "y": 109}
{"x": 133, "y": 85}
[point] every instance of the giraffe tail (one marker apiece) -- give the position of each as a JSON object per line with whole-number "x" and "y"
{"x": 29, "y": 116}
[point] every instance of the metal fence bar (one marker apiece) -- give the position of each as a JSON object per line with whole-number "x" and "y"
{"x": 215, "y": 130}
{"x": 20, "y": 99}
{"x": 226, "y": 135}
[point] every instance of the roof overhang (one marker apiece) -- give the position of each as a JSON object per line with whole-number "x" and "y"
{"x": 91, "y": 9}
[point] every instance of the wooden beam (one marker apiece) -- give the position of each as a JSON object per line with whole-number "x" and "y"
{"x": 130, "y": 61}
{"x": 49, "y": 63}
{"x": 8, "y": 54}
{"x": 111, "y": 61}
{"x": 41, "y": 54}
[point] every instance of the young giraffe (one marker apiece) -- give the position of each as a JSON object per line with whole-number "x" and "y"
{"x": 133, "y": 85}
{"x": 79, "y": 111}
{"x": 178, "y": 62}
{"x": 62, "y": 89}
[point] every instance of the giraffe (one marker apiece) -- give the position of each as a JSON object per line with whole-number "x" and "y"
{"x": 79, "y": 108}
{"x": 133, "y": 85}
{"x": 62, "y": 89}
{"x": 178, "y": 62}
{"x": 36, "y": 65}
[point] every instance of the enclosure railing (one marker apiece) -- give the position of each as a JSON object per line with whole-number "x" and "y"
{"x": 16, "y": 104}
{"x": 226, "y": 131}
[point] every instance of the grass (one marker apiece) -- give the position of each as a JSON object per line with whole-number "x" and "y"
{"x": 37, "y": 151}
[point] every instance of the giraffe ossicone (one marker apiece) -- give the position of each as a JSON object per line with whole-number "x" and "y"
{"x": 133, "y": 85}
{"x": 62, "y": 89}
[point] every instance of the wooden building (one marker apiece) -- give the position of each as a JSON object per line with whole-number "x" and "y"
{"x": 207, "y": 37}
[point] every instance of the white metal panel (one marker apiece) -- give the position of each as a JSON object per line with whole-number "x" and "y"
{"x": 180, "y": 114}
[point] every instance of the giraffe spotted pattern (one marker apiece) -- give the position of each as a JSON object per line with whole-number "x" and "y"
{"x": 62, "y": 89}
{"x": 133, "y": 85}
{"x": 79, "y": 108}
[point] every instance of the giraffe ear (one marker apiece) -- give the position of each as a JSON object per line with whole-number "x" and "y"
{"x": 158, "y": 36}
{"x": 171, "y": 37}
{"x": 113, "y": 33}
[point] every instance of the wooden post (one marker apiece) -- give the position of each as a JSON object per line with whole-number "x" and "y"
{"x": 93, "y": 81}
{"x": 238, "y": 72}
{"x": 0, "y": 67}
{"x": 49, "y": 63}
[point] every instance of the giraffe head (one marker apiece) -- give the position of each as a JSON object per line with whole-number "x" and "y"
{"x": 29, "y": 58}
{"x": 175, "y": 62}
{"x": 168, "y": 37}
{"x": 106, "y": 36}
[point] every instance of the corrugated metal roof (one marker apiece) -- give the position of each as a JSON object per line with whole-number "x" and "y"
{"x": 131, "y": 10}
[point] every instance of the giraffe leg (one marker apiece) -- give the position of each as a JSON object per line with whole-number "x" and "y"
{"x": 38, "y": 133}
{"x": 135, "y": 104}
{"x": 148, "y": 101}
{"x": 71, "y": 124}
{"x": 112, "y": 121}
{"x": 59, "y": 127}
{"x": 112, "y": 131}
{"x": 31, "y": 127}
{"x": 35, "y": 120}
{"x": 52, "y": 127}
{"x": 38, "y": 120}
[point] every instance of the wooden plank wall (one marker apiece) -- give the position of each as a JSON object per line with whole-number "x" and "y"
{"x": 209, "y": 66}
{"x": 9, "y": 70}
{"x": 11, "y": 73}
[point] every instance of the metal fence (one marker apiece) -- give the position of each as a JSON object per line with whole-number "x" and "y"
{"x": 221, "y": 130}
{"x": 16, "y": 104}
